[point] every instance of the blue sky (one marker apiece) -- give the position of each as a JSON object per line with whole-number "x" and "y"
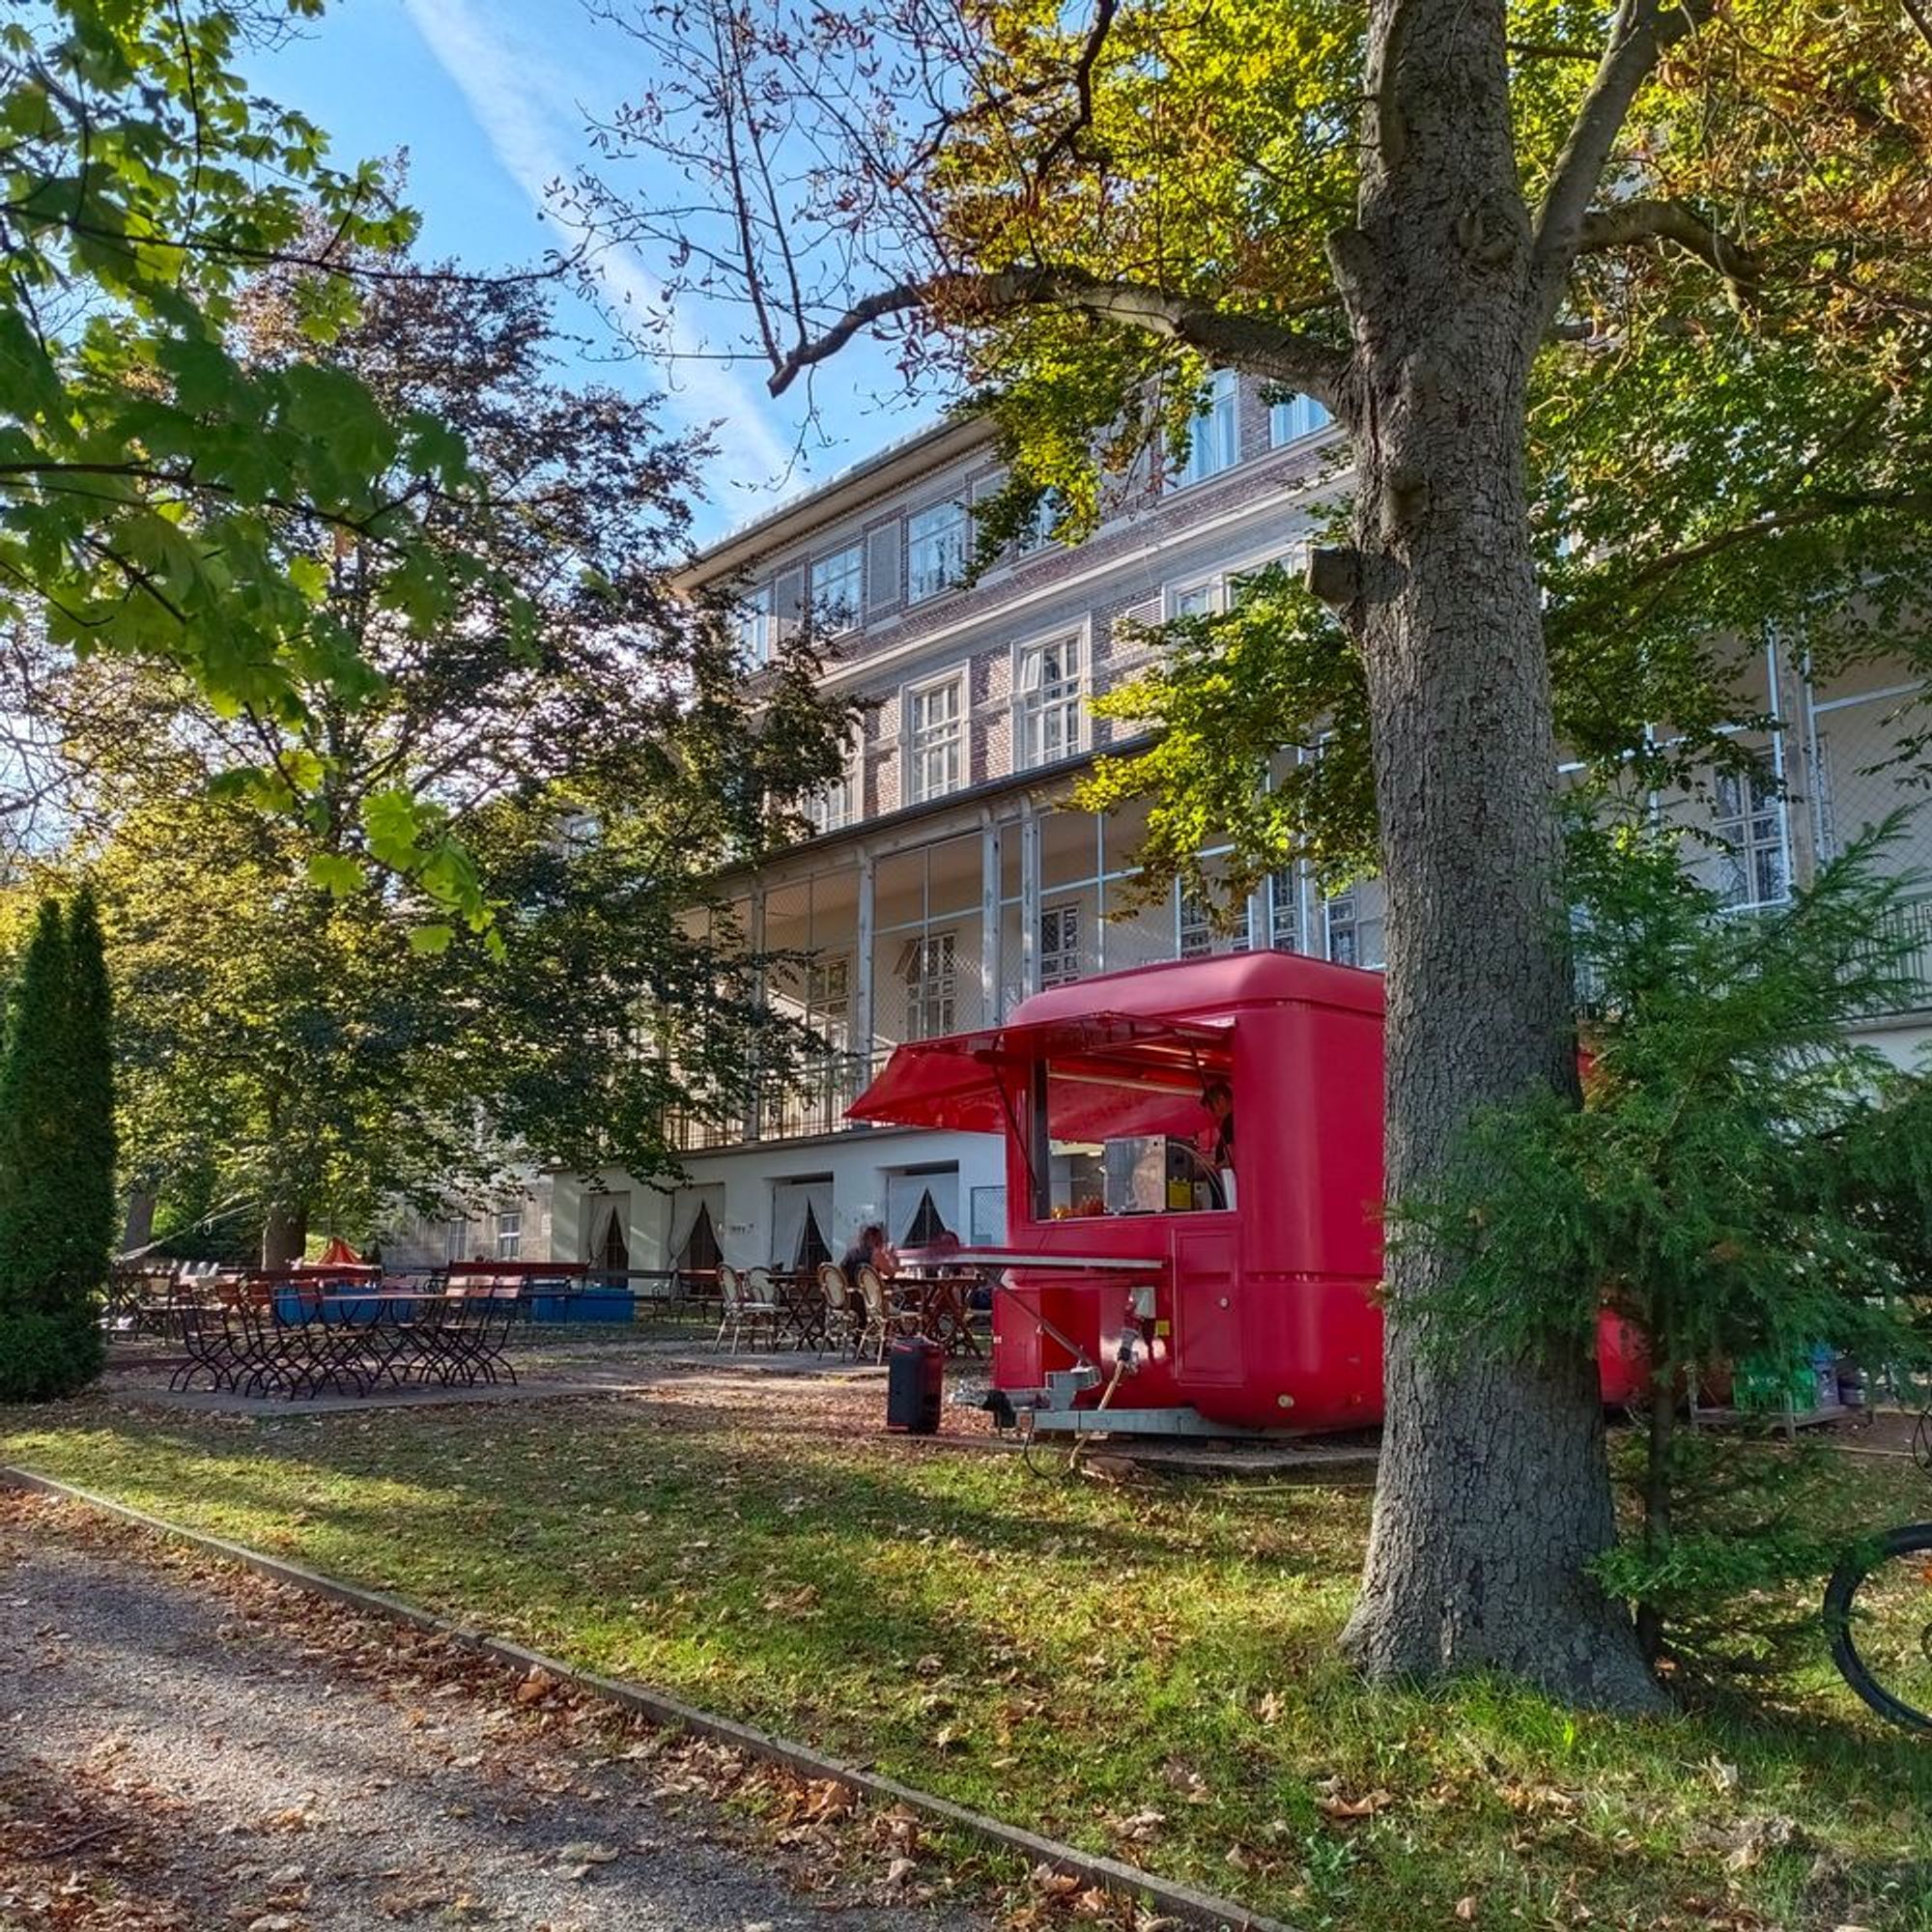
{"x": 489, "y": 100}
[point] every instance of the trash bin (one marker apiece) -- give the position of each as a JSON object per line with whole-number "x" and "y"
{"x": 915, "y": 1378}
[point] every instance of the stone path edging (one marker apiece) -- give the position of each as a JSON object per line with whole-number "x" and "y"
{"x": 1180, "y": 1901}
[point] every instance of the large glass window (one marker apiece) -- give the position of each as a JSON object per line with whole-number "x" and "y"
{"x": 1749, "y": 818}
{"x": 753, "y": 625}
{"x": 1049, "y": 702}
{"x": 1294, "y": 417}
{"x": 509, "y": 1237}
{"x": 1213, "y": 443}
{"x": 936, "y": 549}
{"x": 838, "y": 587}
{"x": 935, "y": 739}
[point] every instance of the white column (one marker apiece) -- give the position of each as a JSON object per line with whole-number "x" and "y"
{"x": 1030, "y": 899}
{"x": 989, "y": 923}
{"x": 864, "y": 1042}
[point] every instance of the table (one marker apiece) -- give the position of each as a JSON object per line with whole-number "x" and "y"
{"x": 283, "y": 1337}
{"x": 944, "y": 1304}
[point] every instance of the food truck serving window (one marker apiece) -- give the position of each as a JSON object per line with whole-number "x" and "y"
{"x": 1119, "y": 1137}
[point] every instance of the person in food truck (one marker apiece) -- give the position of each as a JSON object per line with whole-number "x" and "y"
{"x": 1219, "y": 1101}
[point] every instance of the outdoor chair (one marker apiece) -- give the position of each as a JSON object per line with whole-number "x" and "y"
{"x": 743, "y": 1308}
{"x": 883, "y": 1320}
{"x": 844, "y": 1318}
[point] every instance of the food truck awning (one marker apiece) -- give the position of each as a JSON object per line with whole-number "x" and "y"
{"x": 955, "y": 1081}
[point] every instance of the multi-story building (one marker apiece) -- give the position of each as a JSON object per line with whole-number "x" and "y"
{"x": 950, "y": 875}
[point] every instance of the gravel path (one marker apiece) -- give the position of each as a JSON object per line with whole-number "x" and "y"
{"x": 184, "y": 1746}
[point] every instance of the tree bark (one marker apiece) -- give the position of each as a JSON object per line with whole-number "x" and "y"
{"x": 138, "y": 1229}
{"x": 284, "y": 1235}
{"x": 1493, "y": 1494}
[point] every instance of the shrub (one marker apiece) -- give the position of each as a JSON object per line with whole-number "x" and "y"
{"x": 46, "y": 1355}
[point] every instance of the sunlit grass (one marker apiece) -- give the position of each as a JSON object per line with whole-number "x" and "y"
{"x": 1151, "y": 1673}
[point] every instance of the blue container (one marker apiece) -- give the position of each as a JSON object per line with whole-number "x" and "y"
{"x": 604, "y": 1304}
{"x": 549, "y": 1308}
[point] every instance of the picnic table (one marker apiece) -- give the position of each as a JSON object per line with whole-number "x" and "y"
{"x": 293, "y": 1335}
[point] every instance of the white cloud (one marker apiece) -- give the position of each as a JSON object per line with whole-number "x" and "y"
{"x": 527, "y": 111}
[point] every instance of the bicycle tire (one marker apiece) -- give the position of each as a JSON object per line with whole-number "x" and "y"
{"x": 1912, "y": 1539}
{"x": 1921, "y": 1441}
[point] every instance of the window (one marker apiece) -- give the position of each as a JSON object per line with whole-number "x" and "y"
{"x": 1212, "y": 438}
{"x": 509, "y": 1237}
{"x": 1059, "y": 958}
{"x": 936, "y": 549}
{"x": 1296, "y": 417}
{"x": 1049, "y": 702}
{"x": 834, "y": 804}
{"x": 455, "y": 1238}
{"x": 935, "y": 739}
{"x": 828, "y": 1000}
{"x": 753, "y": 625}
{"x": 1749, "y": 816}
{"x": 1198, "y": 600}
{"x": 1194, "y": 930}
{"x": 1349, "y": 935}
{"x": 931, "y": 967}
{"x": 837, "y": 589}
{"x": 1285, "y": 910}
{"x": 1036, "y": 533}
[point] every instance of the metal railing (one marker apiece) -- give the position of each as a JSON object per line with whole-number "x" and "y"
{"x": 812, "y": 1101}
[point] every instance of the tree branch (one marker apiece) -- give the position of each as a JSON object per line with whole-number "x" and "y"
{"x": 1642, "y": 30}
{"x": 1253, "y": 344}
{"x": 1636, "y": 222}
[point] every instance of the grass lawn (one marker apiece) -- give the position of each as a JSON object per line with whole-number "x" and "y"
{"x": 1146, "y": 1672}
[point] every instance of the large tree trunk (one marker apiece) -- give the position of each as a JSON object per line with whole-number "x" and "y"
{"x": 1493, "y": 1494}
{"x": 284, "y": 1237}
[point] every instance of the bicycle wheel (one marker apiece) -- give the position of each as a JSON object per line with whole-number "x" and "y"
{"x": 1878, "y": 1613}
{"x": 1921, "y": 1441}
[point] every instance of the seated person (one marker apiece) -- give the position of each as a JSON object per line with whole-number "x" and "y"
{"x": 869, "y": 1248}
{"x": 1219, "y": 1101}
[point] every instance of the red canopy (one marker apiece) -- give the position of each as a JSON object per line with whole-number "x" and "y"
{"x": 338, "y": 1254}
{"x": 1122, "y": 1072}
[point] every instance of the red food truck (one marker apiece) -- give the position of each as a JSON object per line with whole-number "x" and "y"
{"x": 1169, "y": 1270}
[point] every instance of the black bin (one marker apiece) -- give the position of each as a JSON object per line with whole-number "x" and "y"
{"x": 914, "y": 1375}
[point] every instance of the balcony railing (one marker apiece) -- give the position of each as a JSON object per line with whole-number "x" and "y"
{"x": 812, "y": 1102}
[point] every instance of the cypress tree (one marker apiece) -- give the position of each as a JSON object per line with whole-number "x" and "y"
{"x": 92, "y": 1198}
{"x": 35, "y": 1124}
{"x": 53, "y": 1252}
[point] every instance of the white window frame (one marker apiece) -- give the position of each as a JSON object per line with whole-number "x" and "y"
{"x": 936, "y": 548}
{"x": 1214, "y": 435}
{"x": 835, "y": 804}
{"x": 510, "y": 1235}
{"x": 840, "y": 617}
{"x": 752, "y": 624}
{"x": 1750, "y": 818}
{"x": 1203, "y": 594}
{"x": 1061, "y": 958}
{"x": 932, "y": 984}
{"x": 1036, "y": 534}
{"x": 1298, "y": 417}
{"x": 1193, "y": 926}
{"x": 925, "y": 742}
{"x": 828, "y": 999}
{"x": 1038, "y": 703}
{"x": 455, "y": 1238}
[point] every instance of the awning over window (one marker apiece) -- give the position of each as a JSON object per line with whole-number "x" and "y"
{"x": 1098, "y": 1062}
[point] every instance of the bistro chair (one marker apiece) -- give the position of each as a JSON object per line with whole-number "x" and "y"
{"x": 883, "y": 1320}
{"x": 764, "y": 1302}
{"x": 844, "y": 1318}
{"x": 742, "y": 1309}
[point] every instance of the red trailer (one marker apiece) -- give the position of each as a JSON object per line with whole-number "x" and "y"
{"x": 1192, "y": 1275}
